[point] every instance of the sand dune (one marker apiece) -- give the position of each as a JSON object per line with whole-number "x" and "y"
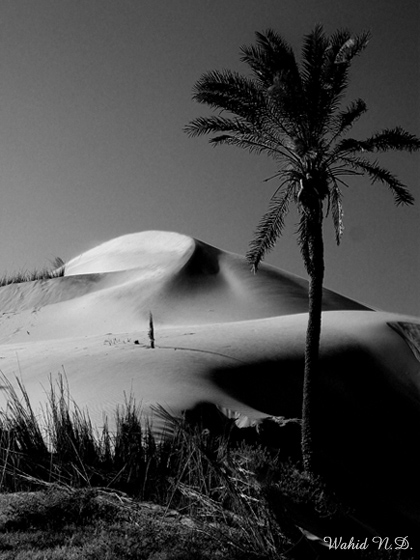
{"x": 225, "y": 336}
{"x": 87, "y": 321}
{"x": 114, "y": 287}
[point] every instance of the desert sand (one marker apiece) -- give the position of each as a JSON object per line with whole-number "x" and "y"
{"x": 222, "y": 335}
{"x": 209, "y": 312}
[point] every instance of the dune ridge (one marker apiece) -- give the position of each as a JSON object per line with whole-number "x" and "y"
{"x": 179, "y": 279}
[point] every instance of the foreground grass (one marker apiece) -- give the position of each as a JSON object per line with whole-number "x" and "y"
{"x": 210, "y": 485}
{"x": 202, "y": 492}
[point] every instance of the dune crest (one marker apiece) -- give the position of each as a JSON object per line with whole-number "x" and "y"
{"x": 147, "y": 251}
{"x": 115, "y": 286}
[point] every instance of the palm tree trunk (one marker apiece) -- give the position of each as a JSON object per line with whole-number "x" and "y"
{"x": 313, "y": 336}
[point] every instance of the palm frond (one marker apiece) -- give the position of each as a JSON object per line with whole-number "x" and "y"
{"x": 232, "y": 92}
{"x": 274, "y": 65}
{"x": 254, "y": 144}
{"x": 213, "y": 124}
{"x": 325, "y": 80}
{"x": 352, "y": 47}
{"x": 244, "y": 98}
{"x": 339, "y": 170}
{"x": 334, "y": 77}
{"x": 286, "y": 106}
{"x": 393, "y": 139}
{"x": 377, "y": 173}
{"x": 238, "y": 132}
{"x": 335, "y": 43}
{"x": 388, "y": 139}
{"x": 303, "y": 233}
{"x": 350, "y": 146}
{"x": 314, "y": 52}
{"x": 270, "y": 227}
{"x": 346, "y": 119}
{"x": 334, "y": 199}
{"x": 270, "y": 57}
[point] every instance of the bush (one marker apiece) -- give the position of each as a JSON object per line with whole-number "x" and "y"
{"x": 55, "y": 508}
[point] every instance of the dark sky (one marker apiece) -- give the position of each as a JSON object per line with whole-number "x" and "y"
{"x": 94, "y": 95}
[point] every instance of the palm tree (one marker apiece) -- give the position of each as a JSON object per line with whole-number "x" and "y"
{"x": 292, "y": 111}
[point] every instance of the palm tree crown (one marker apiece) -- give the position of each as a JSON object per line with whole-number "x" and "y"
{"x": 292, "y": 112}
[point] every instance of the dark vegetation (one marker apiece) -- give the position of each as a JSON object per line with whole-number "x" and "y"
{"x": 54, "y": 271}
{"x": 204, "y": 490}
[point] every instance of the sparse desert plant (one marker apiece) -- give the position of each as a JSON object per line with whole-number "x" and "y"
{"x": 56, "y": 270}
{"x": 151, "y": 332}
